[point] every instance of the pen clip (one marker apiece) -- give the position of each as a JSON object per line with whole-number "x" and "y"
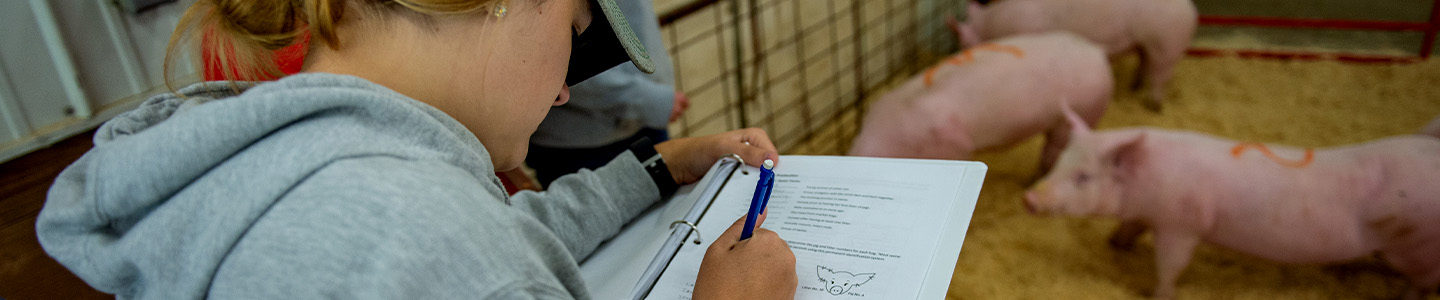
{"x": 692, "y": 228}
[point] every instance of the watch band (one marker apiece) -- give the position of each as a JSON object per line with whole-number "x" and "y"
{"x": 654, "y": 164}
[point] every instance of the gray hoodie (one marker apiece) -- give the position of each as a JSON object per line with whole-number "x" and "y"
{"x": 320, "y": 186}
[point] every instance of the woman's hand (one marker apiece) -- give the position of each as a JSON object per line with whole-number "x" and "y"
{"x": 689, "y": 158}
{"x": 761, "y": 267}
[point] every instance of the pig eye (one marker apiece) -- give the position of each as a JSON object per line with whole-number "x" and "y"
{"x": 1082, "y": 178}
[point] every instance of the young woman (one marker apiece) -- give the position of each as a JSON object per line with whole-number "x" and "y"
{"x": 371, "y": 173}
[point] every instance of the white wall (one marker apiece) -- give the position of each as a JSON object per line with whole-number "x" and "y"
{"x": 67, "y": 65}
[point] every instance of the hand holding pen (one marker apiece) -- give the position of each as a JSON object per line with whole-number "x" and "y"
{"x": 761, "y": 267}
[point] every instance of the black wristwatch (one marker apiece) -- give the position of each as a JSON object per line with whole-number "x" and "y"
{"x": 644, "y": 150}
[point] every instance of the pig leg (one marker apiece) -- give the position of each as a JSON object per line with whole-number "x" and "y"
{"x": 1125, "y": 235}
{"x": 1172, "y": 254}
{"x": 1416, "y": 293}
{"x": 1432, "y": 129}
{"x": 1159, "y": 63}
{"x": 1138, "y": 82}
{"x": 1423, "y": 272}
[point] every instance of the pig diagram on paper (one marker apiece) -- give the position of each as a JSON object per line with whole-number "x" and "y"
{"x": 839, "y": 282}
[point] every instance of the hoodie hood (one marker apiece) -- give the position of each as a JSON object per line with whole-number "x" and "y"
{"x": 153, "y": 209}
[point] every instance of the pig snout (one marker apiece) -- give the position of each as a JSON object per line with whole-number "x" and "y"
{"x": 836, "y": 290}
{"x": 1035, "y": 200}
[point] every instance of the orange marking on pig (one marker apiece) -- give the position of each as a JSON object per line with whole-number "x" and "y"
{"x": 1002, "y": 48}
{"x": 930, "y": 75}
{"x": 1303, "y": 162}
{"x": 969, "y": 55}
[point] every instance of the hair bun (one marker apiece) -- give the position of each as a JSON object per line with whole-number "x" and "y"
{"x": 242, "y": 35}
{"x": 273, "y": 24}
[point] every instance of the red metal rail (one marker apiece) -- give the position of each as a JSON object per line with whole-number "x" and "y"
{"x": 1314, "y": 23}
{"x": 1426, "y": 46}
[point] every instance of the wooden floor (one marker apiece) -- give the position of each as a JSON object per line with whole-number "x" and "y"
{"x": 26, "y": 272}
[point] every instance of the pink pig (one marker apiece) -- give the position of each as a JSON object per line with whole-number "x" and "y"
{"x": 1286, "y": 204}
{"x": 990, "y": 96}
{"x": 1159, "y": 29}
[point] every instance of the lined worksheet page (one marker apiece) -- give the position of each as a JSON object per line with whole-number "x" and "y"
{"x": 860, "y": 228}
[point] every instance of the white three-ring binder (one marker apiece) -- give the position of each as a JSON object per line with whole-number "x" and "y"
{"x": 874, "y": 228}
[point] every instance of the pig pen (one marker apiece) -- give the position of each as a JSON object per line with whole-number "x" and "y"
{"x": 812, "y": 87}
{"x": 1009, "y": 254}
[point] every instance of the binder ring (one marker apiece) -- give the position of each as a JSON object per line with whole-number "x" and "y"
{"x": 742, "y": 162}
{"x": 692, "y": 228}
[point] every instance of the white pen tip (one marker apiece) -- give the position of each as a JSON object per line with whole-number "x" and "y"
{"x": 769, "y": 164}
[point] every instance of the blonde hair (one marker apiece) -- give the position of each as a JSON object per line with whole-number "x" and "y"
{"x": 244, "y": 34}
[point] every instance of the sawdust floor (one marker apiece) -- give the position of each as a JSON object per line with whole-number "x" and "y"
{"x": 1009, "y": 254}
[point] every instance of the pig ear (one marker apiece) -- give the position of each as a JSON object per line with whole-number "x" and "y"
{"x": 862, "y": 278}
{"x": 969, "y": 37}
{"x": 823, "y": 272}
{"x": 1077, "y": 124}
{"x": 1127, "y": 154}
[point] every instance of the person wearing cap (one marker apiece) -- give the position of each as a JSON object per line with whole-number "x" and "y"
{"x": 610, "y": 111}
{"x": 370, "y": 174}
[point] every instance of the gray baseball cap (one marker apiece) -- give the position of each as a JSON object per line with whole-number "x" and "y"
{"x": 603, "y": 47}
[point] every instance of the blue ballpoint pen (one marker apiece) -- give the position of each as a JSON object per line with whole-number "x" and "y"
{"x": 769, "y": 186}
{"x": 761, "y": 198}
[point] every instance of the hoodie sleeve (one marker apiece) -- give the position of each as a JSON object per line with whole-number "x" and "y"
{"x": 589, "y": 207}
{"x": 384, "y": 227}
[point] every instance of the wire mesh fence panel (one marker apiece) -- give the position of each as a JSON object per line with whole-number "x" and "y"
{"x": 800, "y": 69}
